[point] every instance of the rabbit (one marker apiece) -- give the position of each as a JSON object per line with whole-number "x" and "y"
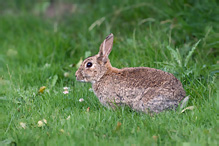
{"x": 143, "y": 89}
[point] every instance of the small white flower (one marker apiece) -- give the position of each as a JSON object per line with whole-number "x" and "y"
{"x": 66, "y": 88}
{"x": 65, "y": 92}
{"x": 68, "y": 117}
{"x": 23, "y": 125}
{"x": 40, "y": 124}
{"x": 66, "y": 74}
{"x": 81, "y": 99}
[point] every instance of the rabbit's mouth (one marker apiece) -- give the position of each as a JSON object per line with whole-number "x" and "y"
{"x": 84, "y": 80}
{"x": 79, "y": 76}
{"x": 80, "y": 79}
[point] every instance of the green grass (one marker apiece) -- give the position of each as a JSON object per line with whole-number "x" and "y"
{"x": 36, "y": 51}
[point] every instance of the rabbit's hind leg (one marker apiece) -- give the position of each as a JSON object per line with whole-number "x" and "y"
{"x": 160, "y": 103}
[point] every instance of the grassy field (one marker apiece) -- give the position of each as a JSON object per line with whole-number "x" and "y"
{"x": 42, "y": 43}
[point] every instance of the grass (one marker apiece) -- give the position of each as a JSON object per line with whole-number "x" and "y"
{"x": 36, "y": 51}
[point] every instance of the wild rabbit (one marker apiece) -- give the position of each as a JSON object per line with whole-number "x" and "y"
{"x": 141, "y": 88}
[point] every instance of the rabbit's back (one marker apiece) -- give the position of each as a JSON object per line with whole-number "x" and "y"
{"x": 140, "y": 88}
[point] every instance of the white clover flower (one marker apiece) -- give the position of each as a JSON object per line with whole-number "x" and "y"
{"x": 66, "y": 74}
{"x": 81, "y": 99}
{"x": 23, "y": 125}
{"x": 66, "y": 88}
{"x": 40, "y": 124}
{"x": 65, "y": 92}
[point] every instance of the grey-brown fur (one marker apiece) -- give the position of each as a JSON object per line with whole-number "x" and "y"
{"x": 142, "y": 88}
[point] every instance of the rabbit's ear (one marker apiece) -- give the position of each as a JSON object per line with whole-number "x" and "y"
{"x": 105, "y": 48}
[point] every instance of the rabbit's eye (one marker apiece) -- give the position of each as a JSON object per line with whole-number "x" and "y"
{"x": 89, "y": 64}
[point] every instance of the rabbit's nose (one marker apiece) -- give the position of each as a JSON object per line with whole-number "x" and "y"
{"x": 77, "y": 73}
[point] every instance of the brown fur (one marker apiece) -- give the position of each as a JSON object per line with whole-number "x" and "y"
{"x": 142, "y": 88}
